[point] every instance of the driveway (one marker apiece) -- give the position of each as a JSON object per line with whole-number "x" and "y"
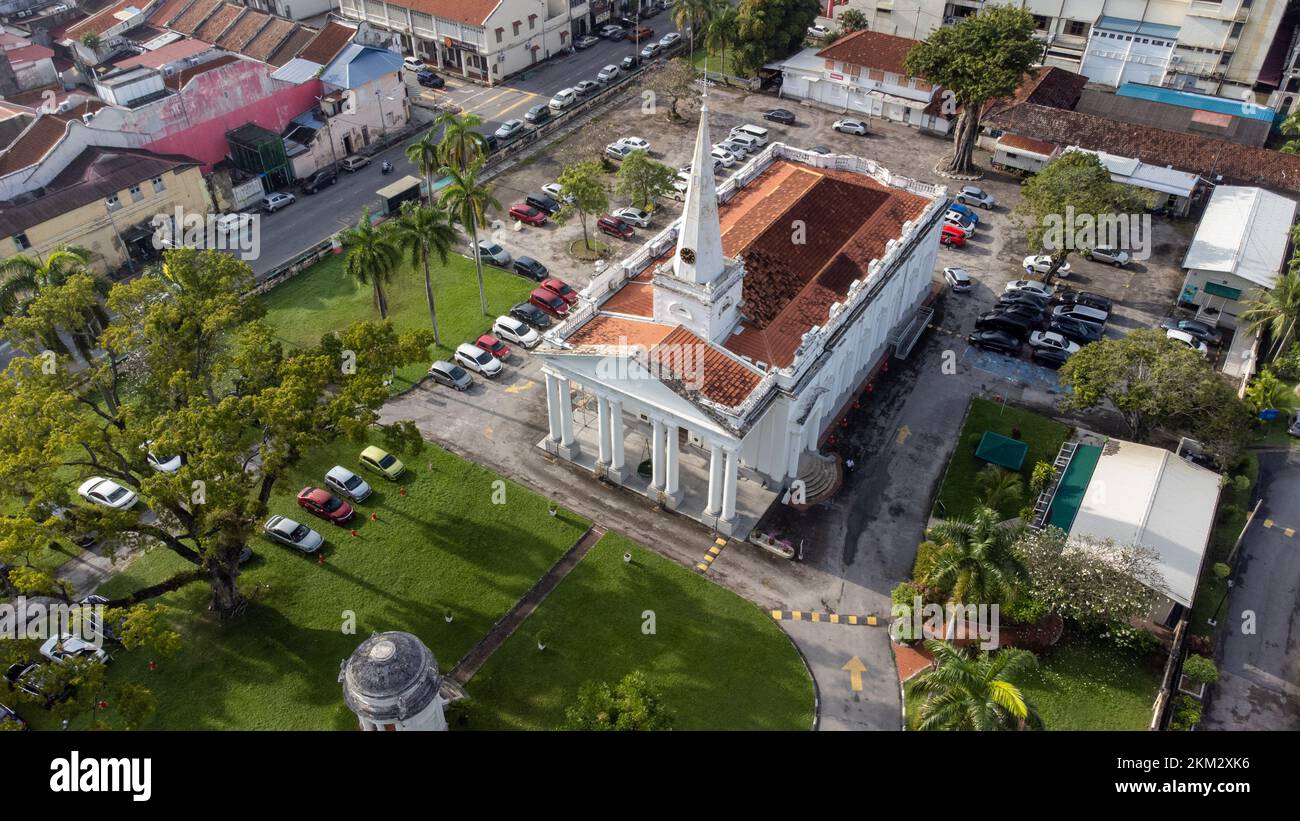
{"x": 1259, "y": 684}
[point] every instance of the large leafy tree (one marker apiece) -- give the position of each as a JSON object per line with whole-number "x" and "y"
{"x": 768, "y": 30}
{"x": 460, "y": 145}
{"x": 631, "y": 704}
{"x": 424, "y": 232}
{"x": 644, "y": 180}
{"x": 852, "y": 20}
{"x": 1291, "y": 128}
{"x": 1154, "y": 382}
{"x": 1090, "y": 581}
{"x": 694, "y": 14}
{"x": 676, "y": 80}
{"x": 1071, "y": 193}
{"x": 583, "y": 193}
{"x": 373, "y": 257}
{"x": 192, "y": 370}
{"x": 981, "y": 58}
{"x": 975, "y": 691}
{"x": 24, "y": 276}
{"x": 975, "y": 563}
{"x": 468, "y": 200}
{"x": 1276, "y": 309}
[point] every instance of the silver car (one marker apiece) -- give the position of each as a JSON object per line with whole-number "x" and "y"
{"x": 493, "y": 253}
{"x": 293, "y": 534}
{"x": 346, "y": 483}
{"x": 510, "y": 129}
{"x": 639, "y": 218}
{"x": 1108, "y": 255}
{"x": 1294, "y": 427}
{"x": 451, "y": 375}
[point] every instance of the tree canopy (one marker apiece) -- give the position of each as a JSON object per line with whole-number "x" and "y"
{"x": 631, "y": 704}
{"x": 770, "y": 30}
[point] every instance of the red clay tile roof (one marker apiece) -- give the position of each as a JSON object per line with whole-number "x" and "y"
{"x": 169, "y": 53}
{"x": 167, "y": 12}
{"x": 33, "y": 145}
{"x": 635, "y": 298}
{"x": 242, "y": 32}
{"x": 268, "y": 39}
{"x": 290, "y": 46}
{"x": 1027, "y": 144}
{"x": 29, "y": 53}
{"x": 471, "y": 12}
{"x": 1050, "y": 86}
{"x": 101, "y": 21}
{"x": 871, "y": 49}
{"x": 697, "y": 366}
{"x": 602, "y": 330}
{"x": 216, "y": 25}
{"x": 178, "y": 80}
{"x": 327, "y": 43}
{"x": 193, "y": 17}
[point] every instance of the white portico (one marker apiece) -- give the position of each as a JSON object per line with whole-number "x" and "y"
{"x": 705, "y": 370}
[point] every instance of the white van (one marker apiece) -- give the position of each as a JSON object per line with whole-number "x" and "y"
{"x": 564, "y": 98}
{"x": 1082, "y": 313}
{"x": 758, "y": 133}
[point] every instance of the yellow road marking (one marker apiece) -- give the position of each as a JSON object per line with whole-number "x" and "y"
{"x": 835, "y": 618}
{"x": 1268, "y": 523}
{"x": 817, "y": 616}
{"x": 903, "y": 433}
{"x": 776, "y": 614}
{"x": 855, "y": 669}
{"x": 521, "y": 386}
{"x": 701, "y": 566}
{"x": 853, "y": 619}
{"x": 1290, "y": 531}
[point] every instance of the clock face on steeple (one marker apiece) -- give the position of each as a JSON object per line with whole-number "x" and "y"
{"x": 688, "y": 256}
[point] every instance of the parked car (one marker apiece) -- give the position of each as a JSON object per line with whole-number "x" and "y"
{"x": 65, "y": 647}
{"x": 494, "y": 346}
{"x": 563, "y": 99}
{"x": 1052, "y": 339}
{"x": 736, "y": 147}
{"x": 1030, "y": 285}
{"x": 1017, "y": 326}
{"x": 37, "y": 681}
{"x": 538, "y": 114}
{"x": 550, "y": 302}
{"x": 650, "y": 51}
{"x": 995, "y": 340}
{"x": 450, "y": 375}
{"x": 428, "y": 79}
{"x": 753, "y": 132}
{"x": 586, "y": 88}
{"x": 1025, "y": 298}
{"x": 509, "y": 130}
{"x": 613, "y": 32}
{"x": 531, "y": 314}
{"x": 1042, "y": 263}
{"x": 585, "y": 42}
{"x": 1082, "y": 313}
{"x": 1184, "y": 338}
{"x": 1076, "y": 330}
{"x": 275, "y": 201}
{"x": 11, "y": 718}
{"x": 636, "y": 144}
{"x": 850, "y": 127}
{"x": 561, "y": 289}
{"x": 643, "y": 35}
{"x": 531, "y": 268}
{"x": 957, "y": 279}
{"x": 523, "y": 212}
{"x": 974, "y": 195}
{"x": 609, "y": 73}
{"x": 382, "y": 462}
{"x": 346, "y": 483}
{"x": 965, "y": 211}
{"x": 473, "y": 358}
{"x": 614, "y": 226}
{"x": 670, "y": 39}
{"x": 413, "y": 64}
{"x": 494, "y": 254}
{"x": 1049, "y": 357}
{"x": 1108, "y": 255}
{"x": 512, "y": 330}
{"x": 354, "y": 163}
{"x": 628, "y": 63}
{"x": 779, "y": 115}
{"x": 819, "y": 32}
{"x": 635, "y": 216}
{"x": 320, "y": 502}
{"x": 952, "y": 235}
{"x": 553, "y": 190}
{"x": 617, "y": 150}
{"x": 293, "y": 534}
{"x": 1206, "y": 333}
{"x": 960, "y": 222}
{"x": 318, "y": 180}
{"x": 542, "y": 201}
{"x": 107, "y": 493}
{"x": 1030, "y": 313}
{"x": 165, "y": 463}
{"x": 1069, "y": 296}
{"x": 723, "y": 156}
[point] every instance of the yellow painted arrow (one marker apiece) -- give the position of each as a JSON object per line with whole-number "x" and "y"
{"x": 520, "y": 387}
{"x": 903, "y": 433}
{"x": 855, "y": 668}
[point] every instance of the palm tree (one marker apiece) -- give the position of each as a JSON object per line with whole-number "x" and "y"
{"x": 424, "y": 232}
{"x": 1275, "y": 309}
{"x": 423, "y": 154}
{"x": 26, "y": 276}
{"x": 693, "y": 13}
{"x": 721, "y": 32}
{"x": 999, "y": 487}
{"x": 468, "y": 201}
{"x": 372, "y": 258}
{"x": 965, "y": 691}
{"x": 461, "y": 146}
{"x": 976, "y": 562}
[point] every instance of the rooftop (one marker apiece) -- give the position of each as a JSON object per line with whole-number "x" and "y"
{"x": 872, "y": 50}
{"x": 470, "y": 12}
{"x": 193, "y": 16}
{"x": 1243, "y": 232}
{"x": 102, "y": 21}
{"x": 327, "y": 43}
{"x": 170, "y": 53}
{"x": 266, "y": 41}
{"x": 357, "y": 65}
{"x": 1141, "y": 110}
{"x": 218, "y": 22}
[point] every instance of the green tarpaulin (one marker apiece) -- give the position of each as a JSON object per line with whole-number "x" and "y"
{"x": 1072, "y": 487}
{"x": 1002, "y": 450}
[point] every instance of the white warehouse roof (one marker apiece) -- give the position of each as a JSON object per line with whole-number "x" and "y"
{"x": 1243, "y": 232}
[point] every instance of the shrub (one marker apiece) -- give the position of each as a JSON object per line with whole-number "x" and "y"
{"x": 1186, "y": 712}
{"x": 1024, "y": 609}
{"x": 1200, "y": 670}
{"x": 1221, "y": 570}
{"x": 1241, "y": 483}
{"x": 927, "y": 556}
{"x": 1129, "y": 637}
{"x": 1044, "y": 474}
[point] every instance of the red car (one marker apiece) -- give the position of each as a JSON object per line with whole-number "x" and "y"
{"x": 614, "y": 226}
{"x": 494, "y": 346}
{"x": 561, "y": 288}
{"x": 550, "y": 302}
{"x": 952, "y": 235}
{"x": 524, "y": 212}
{"x": 324, "y": 504}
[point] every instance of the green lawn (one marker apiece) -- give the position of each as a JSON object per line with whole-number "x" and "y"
{"x": 443, "y": 547}
{"x": 1234, "y": 506}
{"x": 323, "y": 299}
{"x": 958, "y": 494}
{"x": 1089, "y": 684}
{"x": 720, "y": 662}
{"x": 1274, "y": 433}
{"x": 721, "y": 65}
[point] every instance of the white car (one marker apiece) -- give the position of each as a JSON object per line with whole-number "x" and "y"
{"x": 108, "y": 493}
{"x": 850, "y": 126}
{"x": 735, "y": 147}
{"x": 563, "y": 98}
{"x": 617, "y": 150}
{"x": 65, "y": 646}
{"x": 293, "y": 534}
{"x": 960, "y": 222}
{"x": 1187, "y": 339}
{"x": 164, "y": 464}
{"x": 346, "y": 483}
{"x": 680, "y": 187}
{"x": 412, "y": 64}
{"x": 608, "y": 74}
{"x": 636, "y": 144}
{"x": 494, "y": 253}
{"x": 650, "y": 51}
{"x": 1051, "y": 339}
{"x": 1033, "y": 286}
{"x": 1042, "y": 263}
{"x": 974, "y": 195}
{"x": 553, "y": 189}
{"x": 670, "y": 39}
{"x": 958, "y": 279}
{"x": 474, "y": 358}
{"x": 723, "y": 156}
{"x": 509, "y": 329}
{"x": 639, "y": 218}
{"x": 238, "y": 223}
{"x": 818, "y": 32}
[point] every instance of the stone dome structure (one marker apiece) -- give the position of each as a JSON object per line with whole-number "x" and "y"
{"x": 391, "y": 682}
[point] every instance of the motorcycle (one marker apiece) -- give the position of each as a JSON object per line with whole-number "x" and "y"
{"x": 386, "y": 168}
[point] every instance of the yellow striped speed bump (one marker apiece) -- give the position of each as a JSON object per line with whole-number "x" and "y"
{"x": 829, "y": 618}
{"x": 709, "y": 557}
{"x": 1289, "y": 532}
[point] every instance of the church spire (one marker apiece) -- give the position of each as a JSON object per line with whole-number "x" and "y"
{"x": 699, "y": 244}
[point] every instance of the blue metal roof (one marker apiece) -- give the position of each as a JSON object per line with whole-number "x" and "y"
{"x": 357, "y": 65}
{"x": 1202, "y": 102}
{"x": 1138, "y": 27}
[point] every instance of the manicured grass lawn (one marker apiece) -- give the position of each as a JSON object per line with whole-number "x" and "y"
{"x": 442, "y": 547}
{"x": 721, "y": 65}
{"x": 1089, "y": 684}
{"x": 719, "y": 662}
{"x": 958, "y": 495}
{"x": 324, "y": 299}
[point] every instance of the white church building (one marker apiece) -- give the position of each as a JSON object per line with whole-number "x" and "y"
{"x": 705, "y": 370}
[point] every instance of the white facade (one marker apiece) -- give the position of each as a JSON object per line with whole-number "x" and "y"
{"x": 1120, "y": 51}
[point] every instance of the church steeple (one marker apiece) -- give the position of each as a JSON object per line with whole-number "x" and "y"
{"x": 699, "y": 245}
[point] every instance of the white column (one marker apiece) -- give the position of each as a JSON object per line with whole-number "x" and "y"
{"x": 616, "y": 438}
{"x": 553, "y": 406}
{"x": 657, "y": 475}
{"x": 793, "y": 449}
{"x": 566, "y": 412}
{"x": 602, "y": 416}
{"x": 673, "y": 455}
{"x": 729, "y": 486}
{"x": 715, "y": 481}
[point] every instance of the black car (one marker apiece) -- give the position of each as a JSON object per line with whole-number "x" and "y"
{"x": 1030, "y": 313}
{"x": 32, "y": 680}
{"x": 527, "y": 312}
{"x": 1076, "y": 331}
{"x": 531, "y": 268}
{"x": 780, "y": 115}
{"x": 1018, "y": 327}
{"x": 428, "y": 79}
{"x": 1050, "y": 357}
{"x": 1086, "y": 298}
{"x": 628, "y": 63}
{"x": 621, "y": 34}
{"x": 492, "y": 141}
{"x": 992, "y": 340}
{"x": 1198, "y": 330}
{"x": 538, "y": 114}
{"x": 318, "y": 180}
{"x": 1025, "y": 298}
{"x": 542, "y": 201}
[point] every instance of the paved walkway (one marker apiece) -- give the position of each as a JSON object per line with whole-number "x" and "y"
{"x": 502, "y": 630}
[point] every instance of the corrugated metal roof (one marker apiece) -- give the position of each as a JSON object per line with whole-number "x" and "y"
{"x": 1243, "y": 232}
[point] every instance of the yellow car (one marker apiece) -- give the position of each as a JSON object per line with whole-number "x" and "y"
{"x": 381, "y": 461}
